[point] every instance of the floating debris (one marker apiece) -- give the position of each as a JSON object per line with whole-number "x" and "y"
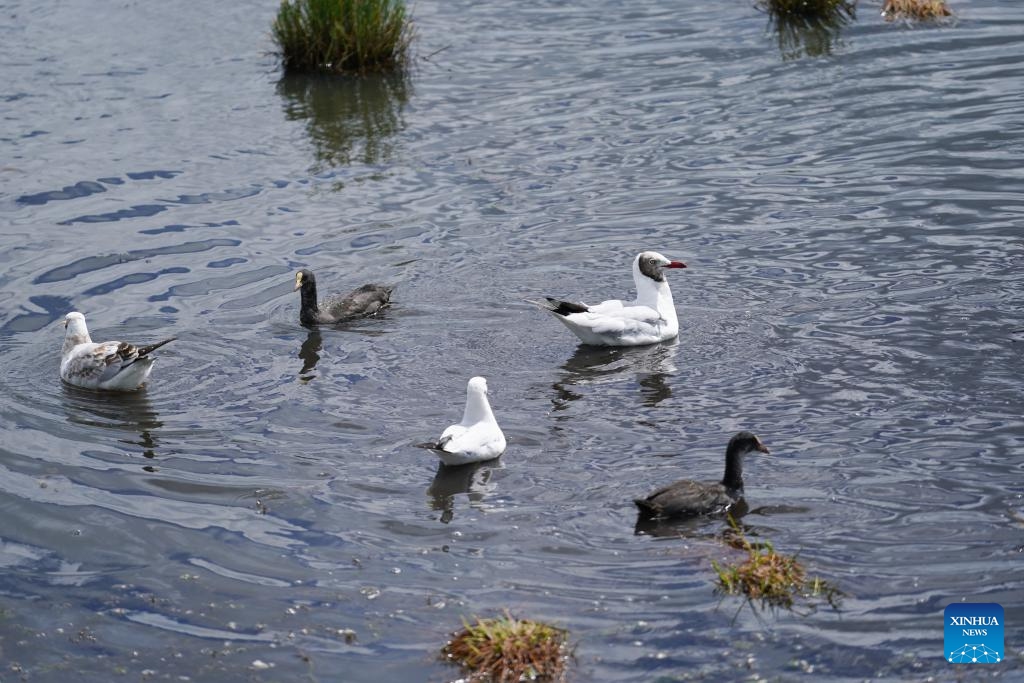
{"x": 918, "y": 10}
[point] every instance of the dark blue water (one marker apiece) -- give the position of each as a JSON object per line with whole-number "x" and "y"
{"x": 851, "y": 213}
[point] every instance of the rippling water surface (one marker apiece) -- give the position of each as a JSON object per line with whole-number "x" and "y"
{"x": 850, "y": 207}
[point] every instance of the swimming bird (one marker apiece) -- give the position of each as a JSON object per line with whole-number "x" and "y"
{"x": 112, "y": 365}
{"x": 686, "y": 498}
{"x": 649, "y": 319}
{"x": 367, "y": 300}
{"x": 478, "y": 437}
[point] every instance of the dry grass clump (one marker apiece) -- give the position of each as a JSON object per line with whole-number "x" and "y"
{"x": 507, "y": 650}
{"x": 808, "y": 8}
{"x": 770, "y": 577}
{"x": 920, "y": 10}
{"x": 343, "y": 36}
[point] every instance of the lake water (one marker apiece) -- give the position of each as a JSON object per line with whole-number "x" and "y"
{"x": 851, "y": 210}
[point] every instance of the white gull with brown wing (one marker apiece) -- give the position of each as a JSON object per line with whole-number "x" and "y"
{"x": 111, "y": 365}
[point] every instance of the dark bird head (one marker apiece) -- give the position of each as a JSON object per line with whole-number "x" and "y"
{"x": 651, "y": 264}
{"x": 305, "y": 280}
{"x": 745, "y": 442}
{"x": 739, "y": 445}
{"x": 309, "y": 309}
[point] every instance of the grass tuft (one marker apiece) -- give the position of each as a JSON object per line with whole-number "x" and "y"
{"x": 920, "y": 10}
{"x": 808, "y": 8}
{"x": 772, "y": 578}
{"x": 506, "y": 650}
{"x": 343, "y": 36}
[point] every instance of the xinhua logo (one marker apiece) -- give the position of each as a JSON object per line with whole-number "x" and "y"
{"x": 974, "y": 633}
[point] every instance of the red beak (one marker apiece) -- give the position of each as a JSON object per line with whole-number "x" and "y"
{"x": 676, "y": 264}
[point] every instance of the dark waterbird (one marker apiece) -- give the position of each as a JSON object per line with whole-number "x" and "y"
{"x": 687, "y": 498}
{"x": 359, "y": 303}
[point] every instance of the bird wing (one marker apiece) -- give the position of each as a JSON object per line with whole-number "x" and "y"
{"x": 480, "y": 439}
{"x": 685, "y": 498}
{"x": 365, "y": 300}
{"x": 606, "y": 318}
{"x": 449, "y": 435}
{"x": 100, "y": 362}
{"x": 103, "y": 361}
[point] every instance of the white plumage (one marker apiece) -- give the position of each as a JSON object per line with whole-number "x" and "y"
{"x": 649, "y": 319}
{"x": 112, "y": 365}
{"x": 477, "y": 437}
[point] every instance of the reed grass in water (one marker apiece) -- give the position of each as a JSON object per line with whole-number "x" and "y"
{"x": 508, "y": 650}
{"x": 808, "y": 8}
{"x": 343, "y": 36}
{"x": 772, "y": 578}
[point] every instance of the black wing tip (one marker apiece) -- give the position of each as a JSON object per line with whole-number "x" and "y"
{"x": 146, "y": 350}
{"x": 563, "y": 308}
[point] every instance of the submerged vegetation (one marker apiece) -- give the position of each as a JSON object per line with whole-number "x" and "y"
{"x": 813, "y": 36}
{"x": 807, "y": 27}
{"x": 343, "y": 36}
{"x": 506, "y": 650}
{"x": 813, "y": 27}
{"x": 772, "y": 578}
{"x": 808, "y": 8}
{"x": 920, "y": 10}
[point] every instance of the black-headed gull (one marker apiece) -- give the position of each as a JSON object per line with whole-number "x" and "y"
{"x": 358, "y": 303}
{"x": 477, "y": 437}
{"x": 111, "y": 365}
{"x": 649, "y": 319}
{"x": 686, "y": 498}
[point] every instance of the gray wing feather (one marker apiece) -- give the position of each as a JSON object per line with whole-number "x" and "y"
{"x": 366, "y": 300}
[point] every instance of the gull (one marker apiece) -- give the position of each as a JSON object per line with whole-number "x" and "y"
{"x": 112, "y": 365}
{"x": 649, "y": 319}
{"x": 358, "y": 303}
{"x": 477, "y": 438}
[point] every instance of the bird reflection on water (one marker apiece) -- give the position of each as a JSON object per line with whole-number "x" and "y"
{"x": 309, "y": 352}
{"x": 473, "y": 479}
{"x": 125, "y": 411}
{"x": 592, "y": 365}
{"x": 696, "y": 526}
{"x": 726, "y": 527}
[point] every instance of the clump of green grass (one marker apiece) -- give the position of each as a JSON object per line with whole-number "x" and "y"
{"x": 808, "y": 8}
{"x": 343, "y": 36}
{"x": 920, "y": 10}
{"x": 507, "y": 650}
{"x": 772, "y": 578}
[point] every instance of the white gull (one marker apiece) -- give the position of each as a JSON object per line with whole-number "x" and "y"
{"x": 477, "y": 437}
{"x": 111, "y": 365}
{"x": 649, "y": 319}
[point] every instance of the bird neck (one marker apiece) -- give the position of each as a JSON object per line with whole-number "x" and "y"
{"x": 656, "y": 295}
{"x": 733, "y": 478}
{"x": 477, "y": 409}
{"x": 77, "y": 334}
{"x": 307, "y": 295}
